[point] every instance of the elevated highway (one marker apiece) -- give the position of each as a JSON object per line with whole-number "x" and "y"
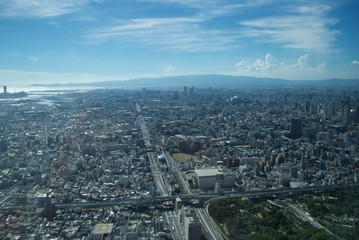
{"x": 203, "y": 197}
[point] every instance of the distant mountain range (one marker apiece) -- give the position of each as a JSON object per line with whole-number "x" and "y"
{"x": 215, "y": 81}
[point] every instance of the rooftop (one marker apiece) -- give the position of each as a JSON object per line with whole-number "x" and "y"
{"x": 207, "y": 172}
{"x": 102, "y": 228}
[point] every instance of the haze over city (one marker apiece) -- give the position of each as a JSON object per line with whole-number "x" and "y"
{"x": 179, "y": 119}
{"x": 100, "y": 40}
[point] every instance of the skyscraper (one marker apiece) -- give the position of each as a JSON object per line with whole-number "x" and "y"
{"x": 296, "y": 128}
{"x": 346, "y": 115}
{"x": 307, "y": 106}
{"x": 192, "y": 228}
{"x": 330, "y": 108}
{"x": 191, "y": 91}
{"x": 5, "y": 89}
{"x": 49, "y": 209}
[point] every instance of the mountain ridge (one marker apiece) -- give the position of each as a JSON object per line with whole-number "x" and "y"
{"x": 211, "y": 80}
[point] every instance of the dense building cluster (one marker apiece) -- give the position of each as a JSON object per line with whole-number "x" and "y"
{"x": 267, "y": 138}
{"x": 62, "y": 152}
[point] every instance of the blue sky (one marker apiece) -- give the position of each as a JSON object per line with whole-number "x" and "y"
{"x": 48, "y": 41}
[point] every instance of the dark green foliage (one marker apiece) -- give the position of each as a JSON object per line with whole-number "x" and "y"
{"x": 259, "y": 220}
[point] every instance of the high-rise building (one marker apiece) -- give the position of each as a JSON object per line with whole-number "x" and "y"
{"x": 346, "y": 115}
{"x": 256, "y": 169}
{"x": 219, "y": 183}
{"x": 49, "y": 209}
{"x": 296, "y": 128}
{"x": 3, "y": 145}
{"x": 302, "y": 161}
{"x": 294, "y": 172}
{"x": 314, "y": 109}
{"x": 5, "y": 89}
{"x": 307, "y": 106}
{"x": 192, "y": 228}
{"x": 158, "y": 225}
{"x": 179, "y": 204}
{"x": 191, "y": 91}
{"x": 330, "y": 108}
{"x": 356, "y": 116}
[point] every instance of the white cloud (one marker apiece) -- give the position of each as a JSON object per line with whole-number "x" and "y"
{"x": 268, "y": 64}
{"x": 191, "y": 33}
{"x": 34, "y": 59}
{"x": 212, "y": 4}
{"x": 271, "y": 67}
{"x": 40, "y": 8}
{"x": 181, "y": 34}
{"x": 314, "y": 9}
{"x": 354, "y": 63}
{"x": 299, "y": 25}
{"x": 169, "y": 69}
{"x": 307, "y": 27}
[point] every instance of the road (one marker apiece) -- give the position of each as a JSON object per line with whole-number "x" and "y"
{"x": 152, "y": 157}
{"x": 173, "y": 166}
{"x": 208, "y": 223}
{"x": 203, "y": 216}
{"x": 206, "y": 220}
{"x": 173, "y": 220}
{"x": 208, "y": 197}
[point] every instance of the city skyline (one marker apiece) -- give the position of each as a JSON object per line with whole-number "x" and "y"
{"x": 102, "y": 40}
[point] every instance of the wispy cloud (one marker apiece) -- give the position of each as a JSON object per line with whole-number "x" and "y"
{"x": 191, "y": 33}
{"x": 300, "y": 25}
{"x": 354, "y": 63}
{"x": 306, "y": 27}
{"x": 182, "y": 34}
{"x": 220, "y": 5}
{"x": 40, "y": 8}
{"x": 272, "y": 67}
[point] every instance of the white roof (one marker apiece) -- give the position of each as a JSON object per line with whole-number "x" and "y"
{"x": 102, "y": 228}
{"x": 207, "y": 172}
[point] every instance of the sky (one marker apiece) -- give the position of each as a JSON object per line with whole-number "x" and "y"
{"x": 52, "y": 41}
